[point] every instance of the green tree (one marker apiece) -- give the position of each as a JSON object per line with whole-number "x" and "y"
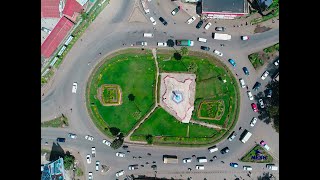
{"x": 184, "y": 51}
{"x": 79, "y": 172}
{"x": 114, "y": 131}
{"x": 117, "y": 143}
{"x": 149, "y": 139}
{"x": 68, "y": 161}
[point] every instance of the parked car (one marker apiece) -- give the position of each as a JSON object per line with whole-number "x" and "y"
{"x": 120, "y": 173}
{"x": 247, "y": 168}
{"x": 218, "y": 53}
{"x": 186, "y": 160}
{"x": 175, "y": 11}
{"x": 276, "y": 63}
{"x": 214, "y": 157}
{"x": 264, "y": 144}
{"x": 191, "y": 20}
{"x": 120, "y": 154}
{"x": 242, "y": 83}
{"x": 250, "y": 95}
{"x": 154, "y": 167}
{"x": 164, "y": 22}
{"x": 261, "y": 103}
{"x": 97, "y": 165}
{"x": 133, "y": 167}
{"x": 205, "y": 48}
{"x": 272, "y": 167}
{"x": 235, "y": 165}
{"x": 200, "y": 167}
{"x": 220, "y": 28}
{"x": 232, "y": 62}
{"x": 269, "y": 93}
{"x": 245, "y": 38}
{"x": 264, "y": 75}
{"x": 72, "y": 136}
{"x": 254, "y": 107}
{"x": 225, "y": 150}
{"x": 153, "y": 21}
{"x": 88, "y": 158}
{"x": 90, "y": 176}
{"x": 93, "y": 152}
{"x": 253, "y": 121}
{"x": 88, "y": 137}
{"x": 246, "y": 71}
{"x": 142, "y": 43}
{"x": 256, "y": 86}
{"x": 232, "y": 136}
{"x": 198, "y": 26}
{"x": 74, "y": 87}
{"x": 106, "y": 142}
{"x": 163, "y": 44}
{"x": 207, "y": 25}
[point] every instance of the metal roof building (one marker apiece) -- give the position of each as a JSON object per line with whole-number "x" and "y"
{"x": 50, "y": 9}
{"x": 224, "y": 9}
{"x": 72, "y": 9}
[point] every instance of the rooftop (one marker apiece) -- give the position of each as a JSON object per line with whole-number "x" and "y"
{"x": 50, "y": 8}
{"x": 233, "y": 6}
{"x": 71, "y": 7}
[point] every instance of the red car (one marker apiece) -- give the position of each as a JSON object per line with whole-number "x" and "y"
{"x": 254, "y": 107}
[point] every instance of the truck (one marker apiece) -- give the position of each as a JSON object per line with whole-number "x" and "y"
{"x": 220, "y": 36}
{"x": 245, "y": 136}
{"x": 184, "y": 42}
{"x": 170, "y": 159}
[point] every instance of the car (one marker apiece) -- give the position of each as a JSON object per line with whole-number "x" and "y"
{"x": 175, "y": 11}
{"x": 269, "y": 93}
{"x": 133, "y": 167}
{"x": 61, "y": 139}
{"x": 141, "y": 43}
{"x": 220, "y": 28}
{"x": 250, "y": 95}
{"x": 264, "y": 75}
{"x": 72, "y": 136}
{"x": 205, "y": 48}
{"x": 245, "y": 38}
{"x": 225, "y": 150}
{"x": 264, "y": 144}
{"x": 246, "y": 71}
{"x": 254, "y": 107}
{"x": 276, "y": 63}
{"x": 154, "y": 167}
{"x": 235, "y": 165}
{"x": 272, "y": 167}
{"x": 253, "y": 121}
{"x": 198, "y": 26}
{"x": 93, "y": 151}
{"x": 232, "y": 136}
{"x": 162, "y": 44}
{"x": 125, "y": 147}
{"x": 232, "y": 62}
{"x": 242, "y": 83}
{"x": 120, "y": 154}
{"x": 153, "y": 21}
{"x": 120, "y": 173}
{"x": 256, "y": 86}
{"x": 190, "y": 20}
{"x": 200, "y": 167}
{"x": 247, "y": 168}
{"x": 97, "y": 165}
{"x": 207, "y": 25}
{"x": 74, "y": 87}
{"x": 90, "y": 176}
{"x": 218, "y": 53}
{"x": 186, "y": 160}
{"x": 261, "y": 103}
{"x": 106, "y": 142}
{"x": 88, "y": 158}
{"x": 214, "y": 157}
{"x": 88, "y": 137}
{"x": 164, "y": 22}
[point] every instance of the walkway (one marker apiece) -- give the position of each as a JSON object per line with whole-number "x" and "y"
{"x": 205, "y": 124}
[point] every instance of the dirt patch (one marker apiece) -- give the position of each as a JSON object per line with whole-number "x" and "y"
{"x": 261, "y": 29}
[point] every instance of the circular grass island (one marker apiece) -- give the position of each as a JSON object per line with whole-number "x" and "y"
{"x": 193, "y": 101}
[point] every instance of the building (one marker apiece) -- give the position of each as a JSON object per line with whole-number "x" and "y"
{"x": 224, "y": 9}
{"x": 264, "y": 4}
{"x": 53, "y": 171}
{"x": 72, "y": 9}
{"x": 51, "y": 8}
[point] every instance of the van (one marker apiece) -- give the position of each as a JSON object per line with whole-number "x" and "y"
{"x": 272, "y": 167}
{"x": 149, "y": 35}
{"x": 202, "y": 39}
{"x": 202, "y": 159}
{"x": 213, "y": 149}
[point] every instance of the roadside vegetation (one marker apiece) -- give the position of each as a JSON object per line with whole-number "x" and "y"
{"x": 268, "y": 54}
{"x": 271, "y": 12}
{"x": 256, "y": 155}
{"x": 58, "y": 122}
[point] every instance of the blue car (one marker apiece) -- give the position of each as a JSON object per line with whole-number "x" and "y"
{"x": 245, "y": 70}
{"x": 235, "y": 165}
{"x": 231, "y": 61}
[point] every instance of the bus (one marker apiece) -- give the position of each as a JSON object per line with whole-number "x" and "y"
{"x": 185, "y": 42}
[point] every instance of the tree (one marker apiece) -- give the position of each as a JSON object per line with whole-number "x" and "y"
{"x": 114, "y": 131}
{"x": 68, "y": 161}
{"x": 149, "y": 139}
{"x": 117, "y": 143}
{"x": 170, "y": 43}
{"x": 184, "y": 51}
{"x": 177, "y": 56}
{"x": 131, "y": 97}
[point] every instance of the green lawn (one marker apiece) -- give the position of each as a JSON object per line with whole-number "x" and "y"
{"x": 252, "y": 153}
{"x": 56, "y": 123}
{"x": 135, "y": 74}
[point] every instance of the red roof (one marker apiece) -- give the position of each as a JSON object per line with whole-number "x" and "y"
{"x": 71, "y": 7}
{"x": 50, "y": 9}
{"x": 56, "y": 36}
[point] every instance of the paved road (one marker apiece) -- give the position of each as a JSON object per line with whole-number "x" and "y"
{"x": 108, "y": 33}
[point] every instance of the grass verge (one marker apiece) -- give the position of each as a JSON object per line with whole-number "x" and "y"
{"x": 262, "y": 157}
{"x": 58, "y": 122}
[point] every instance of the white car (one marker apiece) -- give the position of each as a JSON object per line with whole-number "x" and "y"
{"x": 276, "y": 63}
{"x": 72, "y": 136}
{"x": 264, "y": 75}
{"x": 247, "y": 168}
{"x": 200, "y": 167}
{"x": 132, "y": 167}
{"x": 261, "y": 103}
{"x": 244, "y": 38}
{"x": 120, "y": 173}
{"x": 120, "y": 154}
{"x": 253, "y": 121}
{"x": 232, "y": 136}
{"x": 186, "y": 160}
{"x": 93, "y": 151}
{"x": 106, "y": 142}
{"x": 97, "y": 165}
{"x": 243, "y": 85}
{"x": 88, "y": 137}
{"x": 190, "y": 20}
{"x": 250, "y": 95}
{"x": 74, "y": 87}
{"x": 88, "y": 158}
{"x": 90, "y": 176}
{"x": 218, "y": 53}
{"x": 208, "y": 25}
{"x": 153, "y": 21}
{"x": 162, "y": 44}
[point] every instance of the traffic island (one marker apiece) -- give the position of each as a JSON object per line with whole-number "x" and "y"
{"x": 257, "y": 155}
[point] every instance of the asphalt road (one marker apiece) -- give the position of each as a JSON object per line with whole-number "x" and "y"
{"x": 107, "y": 34}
